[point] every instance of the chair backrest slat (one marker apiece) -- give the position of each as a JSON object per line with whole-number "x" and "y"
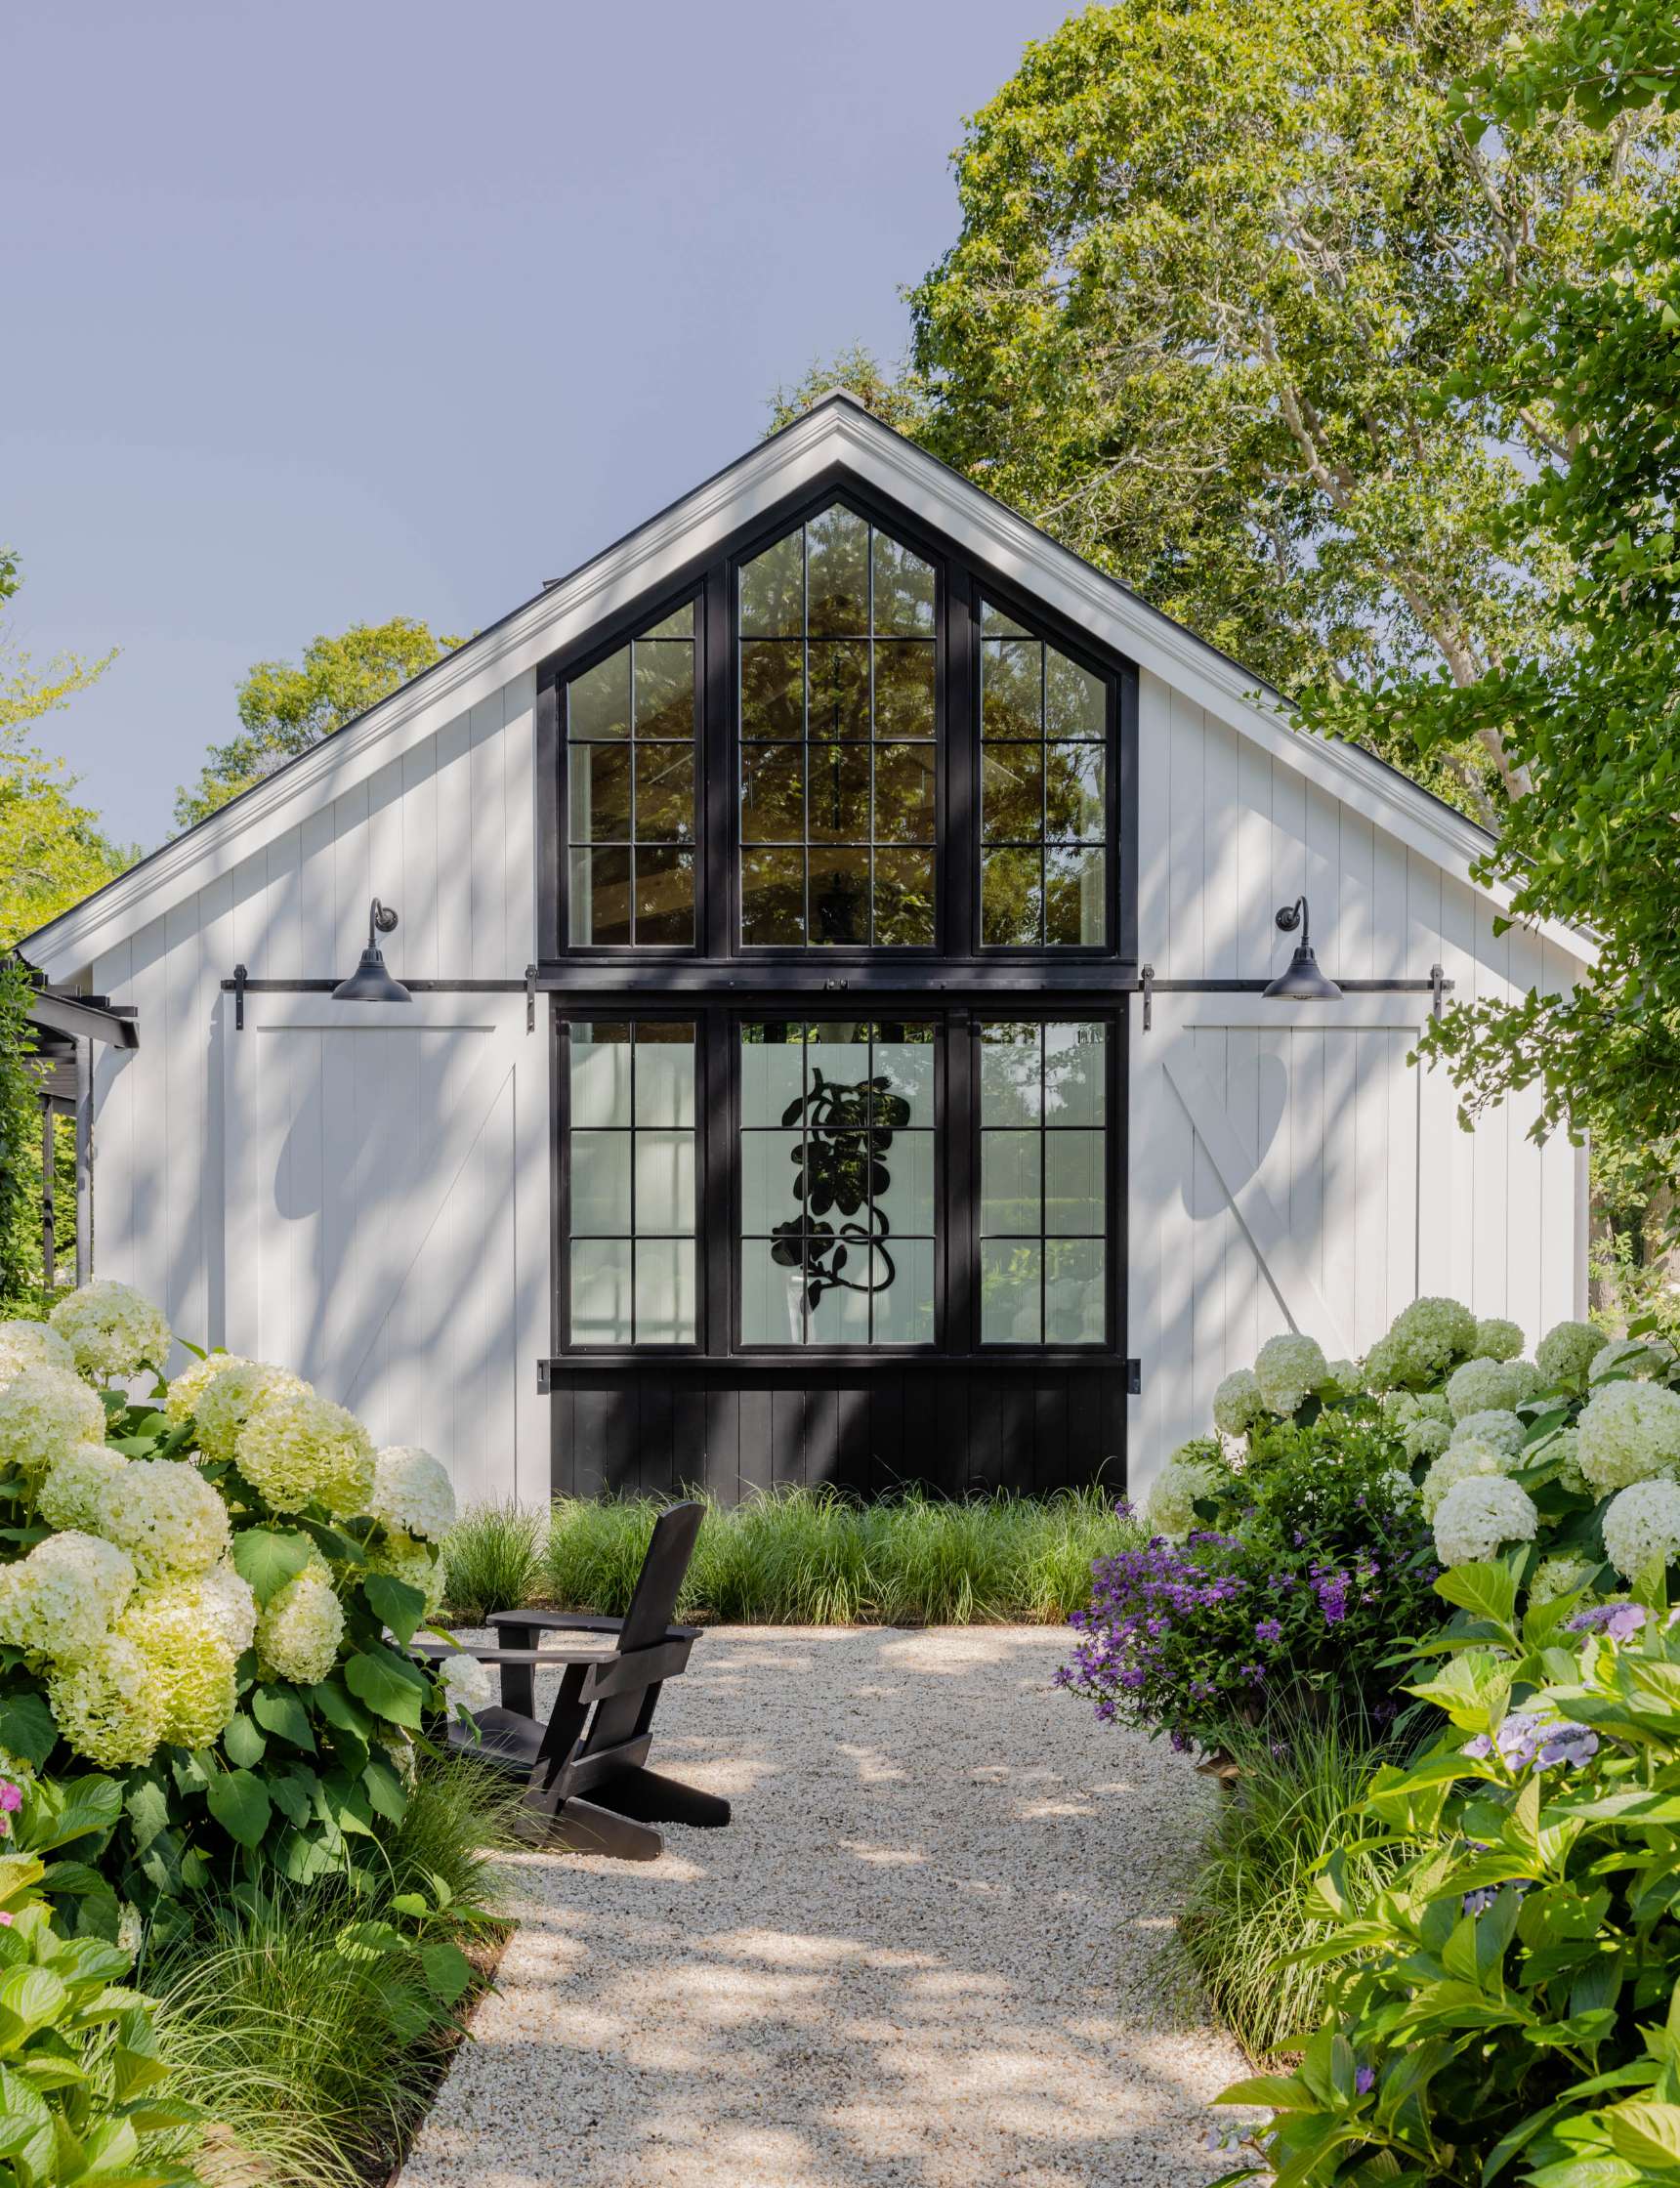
{"x": 653, "y": 1608}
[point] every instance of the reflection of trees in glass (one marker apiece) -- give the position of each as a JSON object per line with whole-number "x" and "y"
{"x": 848, "y": 1129}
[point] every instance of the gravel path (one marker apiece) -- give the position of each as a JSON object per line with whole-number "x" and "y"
{"x": 929, "y": 1950}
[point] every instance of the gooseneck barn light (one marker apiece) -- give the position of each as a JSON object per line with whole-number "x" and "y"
{"x": 1301, "y": 981}
{"x": 370, "y": 983}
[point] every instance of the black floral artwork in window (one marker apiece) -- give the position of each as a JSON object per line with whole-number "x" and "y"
{"x": 840, "y": 1165}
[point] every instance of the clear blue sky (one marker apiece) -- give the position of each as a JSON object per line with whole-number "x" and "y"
{"x": 319, "y": 314}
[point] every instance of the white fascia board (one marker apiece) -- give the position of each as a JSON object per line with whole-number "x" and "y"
{"x": 839, "y": 431}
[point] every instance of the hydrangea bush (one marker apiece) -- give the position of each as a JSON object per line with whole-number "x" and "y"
{"x": 208, "y": 1593}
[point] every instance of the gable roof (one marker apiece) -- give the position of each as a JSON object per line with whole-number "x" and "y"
{"x": 836, "y": 433}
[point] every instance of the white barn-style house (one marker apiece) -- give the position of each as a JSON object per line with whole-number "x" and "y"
{"x": 834, "y": 923}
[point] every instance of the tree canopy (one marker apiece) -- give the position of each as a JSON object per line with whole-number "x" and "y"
{"x": 284, "y": 707}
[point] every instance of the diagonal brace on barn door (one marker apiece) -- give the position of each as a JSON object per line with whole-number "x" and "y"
{"x": 1238, "y": 1167}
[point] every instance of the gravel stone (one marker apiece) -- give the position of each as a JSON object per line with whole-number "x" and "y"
{"x": 935, "y": 1947}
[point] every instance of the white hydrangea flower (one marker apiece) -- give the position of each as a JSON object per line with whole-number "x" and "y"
{"x": 1564, "y": 1445}
{"x": 1422, "y": 1343}
{"x": 1631, "y": 1356}
{"x": 1497, "y": 1340}
{"x": 1479, "y": 1515}
{"x": 112, "y": 1331}
{"x": 1460, "y": 1462}
{"x": 296, "y": 1448}
{"x": 1343, "y": 1379}
{"x": 188, "y": 1663}
{"x": 167, "y": 1517}
{"x": 1486, "y": 1386}
{"x": 1422, "y": 1436}
{"x": 188, "y": 1389}
{"x": 419, "y": 1564}
{"x": 1502, "y": 1429}
{"x": 73, "y": 1487}
{"x": 1567, "y": 1350}
{"x": 228, "y": 1604}
{"x": 1401, "y": 1487}
{"x": 64, "y": 1597}
{"x": 1555, "y": 1576}
{"x": 297, "y": 1635}
{"x": 1641, "y": 1522}
{"x": 1628, "y": 1432}
{"x": 412, "y": 1492}
{"x": 1288, "y": 1370}
{"x": 43, "y": 1412}
{"x": 106, "y": 1704}
{"x": 1172, "y": 1498}
{"x": 231, "y": 1396}
{"x": 467, "y": 1683}
{"x": 33, "y": 1344}
{"x": 1237, "y": 1403}
{"x": 130, "y": 1928}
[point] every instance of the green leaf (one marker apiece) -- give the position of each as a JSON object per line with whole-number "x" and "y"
{"x": 447, "y": 1970}
{"x": 401, "y": 1607}
{"x": 343, "y": 1714}
{"x": 30, "y": 1997}
{"x": 28, "y": 1728}
{"x": 385, "y": 1790}
{"x": 281, "y": 1711}
{"x": 1489, "y": 1591}
{"x": 239, "y": 1804}
{"x": 378, "y": 1680}
{"x": 244, "y": 1745}
{"x": 266, "y": 1560}
{"x": 1646, "y": 2131}
{"x": 294, "y": 1796}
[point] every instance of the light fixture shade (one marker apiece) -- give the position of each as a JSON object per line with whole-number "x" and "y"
{"x": 1301, "y": 981}
{"x": 370, "y": 983}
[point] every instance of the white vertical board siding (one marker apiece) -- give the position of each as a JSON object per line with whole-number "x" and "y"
{"x": 1383, "y": 1193}
{"x": 446, "y": 834}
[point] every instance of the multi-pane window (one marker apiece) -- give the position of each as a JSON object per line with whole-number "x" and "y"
{"x": 1045, "y": 855}
{"x": 631, "y": 1183}
{"x": 630, "y": 772}
{"x": 836, "y": 1172}
{"x": 1044, "y": 1202}
{"x": 838, "y": 750}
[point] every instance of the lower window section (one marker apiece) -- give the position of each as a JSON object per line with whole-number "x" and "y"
{"x": 1043, "y": 1182}
{"x": 631, "y": 1184}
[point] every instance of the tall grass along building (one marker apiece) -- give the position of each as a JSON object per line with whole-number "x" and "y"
{"x": 834, "y": 925}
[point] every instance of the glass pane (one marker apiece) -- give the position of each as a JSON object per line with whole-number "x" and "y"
{"x": 772, "y": 1074}
{"x": 905, "y": 690}
{"x": 601, "y": 1184}
{"x": 773, "y": 591}
{"x": 664, "y": 895}
{"x": 839, "y": 690}
{"x": 598, "y": 702}
{"x": 773, "y": 793}
{"x": 665, "y": 1291}
{"x": 1010, "y": 1073}
{"x": 771, "y": 1170}
{"x": 665, "y": 1183}
{"x": 1012, "y": 793}
{"x": 1010, "y": 1271}
{"x": 904, "y": 1308}
{"x": 838, "y": 805}
{"x": 840, "y": 895}
{"x": 905, "y": 1195}
{"x": 1011, "y": 696}
{"x": 772, "y": 690}
{"x": 680, "y": 623}
{"x": 904, "y": 589}
{"x": 664, "y": 1075}
{"x": 600, "y": 897}
{"x": 664, "y": 689}
{"x": 1010, "y": 1199}
{"x": 601, "y": 1291}
{"x": 1076, "y": 1087}
{"x": 665, "y": 793}
{"x": 772, "y": 896}
{"x": 1073, "y": 1287}
{"x": 1074, "y": 891}
{"x": 904, "y": 793}
{"x": 837, "y": 1068}
{"x": 904, "y": 1073}
{"x": 600, "y": 1074}
{"x": 997, "y": 623}
{"x": 771, "y": 1293}
{"x": 1074, "y": 1184}
{"x": 1075, "y": 703}
{"x": 840, "y": 1313}
{"x": 837, "y": 564}
{"x": 1074, "y": 792}
{"x": 905, "y": 898}
{"x": 599, "y": 793}
{"x": 1011, "y": 899}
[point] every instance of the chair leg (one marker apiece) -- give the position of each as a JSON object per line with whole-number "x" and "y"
{"x": 656, "y": 1799}
{"x": 581, "y": 1828}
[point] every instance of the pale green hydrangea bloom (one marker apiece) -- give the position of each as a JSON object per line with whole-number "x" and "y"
{"x": 1642, "y": 1523}
{"x": 187, "y": 1391}
{"x": 64, "y": 1598}
{"x": 112, "y": 1331}
{"x": 1556, "y": 1576}
{"x": 33, "y": 1344}
{"x": 229, "y": 1398}
{"x": 43, "y": 1412}
{"x": 1172, "y": 1498}
{"x": 1237, "y": 1403}
{"x": 228, "y": 1604}
{"x": 1479, "y": 1515}
{"x": 1423, "y": 1435}
{"x": 1492, "y": 1427}
{"x": 1460, "y": 1462}
{"x": 1628, "y": 1432}
{"x": 169, "y": 1519}
{"x": 1288, "y": 1370}
{"x": 1343, "y": 1379}
{"x": 106, "y": 1704}
{"x": 1486, "y": 1386}
{"x": 468, "y": 1684}
{"x": 297, "y": 1448}
{"x": 1421, "y": 1345}
{"x": 1567, "y": 1350}
{"x": 419, "y": 1564}
{"x": 298, "y": 1633}
{"x": 73, "y": 1489}
{"x": 1626, "y": 1357}
{"x": 1497, "y": 1340}
{"x": 412, "y": 1493}
{"x": 190, "y": 1666}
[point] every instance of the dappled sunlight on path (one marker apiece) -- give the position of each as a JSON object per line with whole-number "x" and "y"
{"x": 932, "y": 1949}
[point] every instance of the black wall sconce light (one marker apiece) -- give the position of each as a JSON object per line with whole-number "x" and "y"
{"x": 370, "y": 983}
{"x": 1301, "y": 981}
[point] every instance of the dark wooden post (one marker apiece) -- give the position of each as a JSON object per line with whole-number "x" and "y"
{"x": 49, "y": 1243}
{"x": 84, "y": 1161}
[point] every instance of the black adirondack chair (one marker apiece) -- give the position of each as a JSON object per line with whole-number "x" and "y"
{"x": 587, "y": 1782}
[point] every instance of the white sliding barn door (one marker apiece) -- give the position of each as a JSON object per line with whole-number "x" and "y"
{"x": 387, "y": 1213}
{"x": 1277, "y": 1154}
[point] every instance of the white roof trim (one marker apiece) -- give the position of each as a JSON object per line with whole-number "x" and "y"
{"x": 837, "y": 430}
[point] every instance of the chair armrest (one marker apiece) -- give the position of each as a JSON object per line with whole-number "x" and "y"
{"x": 439, "y": 1652}
{"x": 555, "y": 1621}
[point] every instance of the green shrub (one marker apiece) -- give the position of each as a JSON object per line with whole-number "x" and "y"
{"x": 492, "y": 1561}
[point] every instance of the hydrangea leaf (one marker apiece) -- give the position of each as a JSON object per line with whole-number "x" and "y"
{"x": 244, "y": 1745}
{"x": 148, "y": 1811}
{"x": 385, "y": 1790}
{"x": 28, "y": 1728}
{"x": 447, "y": 1969}
{"x": 1489, "y": 1589}
{"x": 240, "y": 1804}
{"x": 266, "y": 1560}
{"x": 280, "y": 1711}
{"x": 401, "y": 1607}
{"x": 378, "y": 1680}
{"x": 294, "y": 1796}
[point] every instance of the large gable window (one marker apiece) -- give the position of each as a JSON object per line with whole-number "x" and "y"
{"x": 839, "y": 771}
